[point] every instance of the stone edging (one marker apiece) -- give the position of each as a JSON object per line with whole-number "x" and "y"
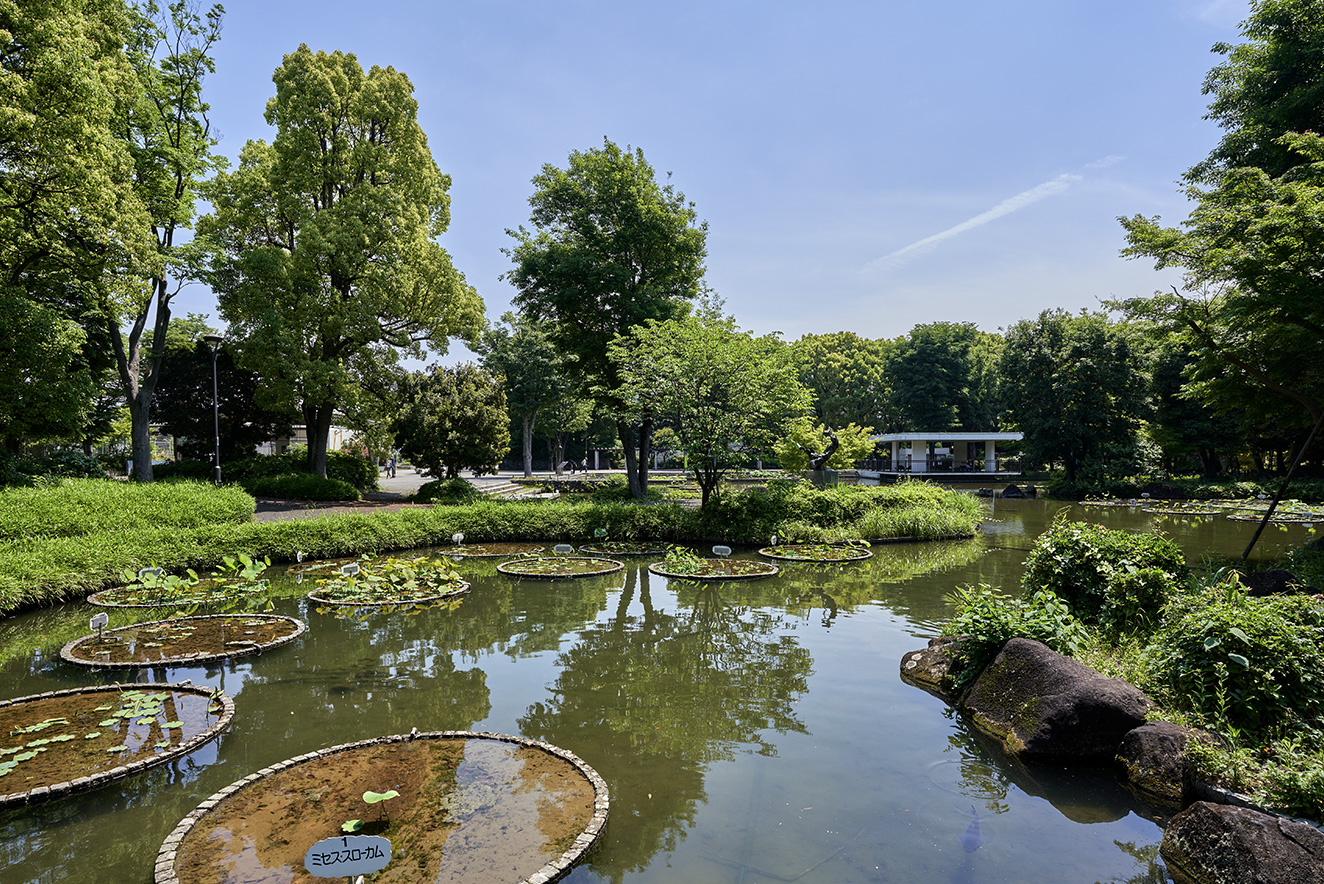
{"x": 610, "y": 566}
{"x": 165, "y": 859}
{"x": 859, "y": 554}
{"x": 314, "y": 597}
{"x": 658, "y": 569}
{"x": 94, "y": 781}
{"x": 67, "y": 652}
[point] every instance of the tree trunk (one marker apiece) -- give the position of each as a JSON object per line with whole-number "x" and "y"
{"x": 137, "y": 379}
{"x": 318, "y": 426}
{"x": 645, "y": 449}
{"x": 528, "y": 420}
{"x": 627, "y": 434}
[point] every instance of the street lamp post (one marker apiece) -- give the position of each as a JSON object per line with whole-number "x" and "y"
{"x": 214, "y": 342}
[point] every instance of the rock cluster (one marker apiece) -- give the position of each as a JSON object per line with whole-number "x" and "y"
{"x": 1040, "y": 705}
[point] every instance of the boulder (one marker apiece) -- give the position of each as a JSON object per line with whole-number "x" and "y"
{"x": 1151, "y": 760}
{"x": 1274, "y": 582}
{"x": 1013, "y": 491}
{"x": 1219, "y": 844}
{"x": 1044, "y": 706}
{"x": 934, "y": 669}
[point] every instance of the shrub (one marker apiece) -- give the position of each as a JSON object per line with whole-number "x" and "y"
{"x": 1117, "y": 577}
{"x": 63, "y": 465}
{"x": 186, "y": 470}
{"x": 447, "y": 492}
{"x": 1243, "y": 662}
{"x": 301, "y": 486}
{"x": 985, "y": 619}
{"x": 341, "y": 466}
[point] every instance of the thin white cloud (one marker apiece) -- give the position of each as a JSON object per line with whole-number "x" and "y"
{"x": 1060, "y": 184}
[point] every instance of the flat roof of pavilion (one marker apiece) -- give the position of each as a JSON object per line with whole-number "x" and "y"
{"x": 916, "y": 435}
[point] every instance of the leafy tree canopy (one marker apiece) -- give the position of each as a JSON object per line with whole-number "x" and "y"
{"x": 804, "y": 438}
{"x": 453, "y": 419}
{"x": 1074, "y": 387}
{"x": 942, "y": 377}
{"x": 847, "y": 375}
{"x": 725, "y": 392}
{"x": 610, "y": 249}
{"x": 330, "y": 270}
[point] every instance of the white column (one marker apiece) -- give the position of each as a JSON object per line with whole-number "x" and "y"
{"x": 896, "y": 455}
{"x": 919, "y": 456}
{"x": 990, "y": 456}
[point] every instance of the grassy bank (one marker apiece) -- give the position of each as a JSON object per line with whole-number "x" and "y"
{"x": 78, "y": 546}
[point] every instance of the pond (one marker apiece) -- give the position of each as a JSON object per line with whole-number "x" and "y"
{"x": 749, "y": 732}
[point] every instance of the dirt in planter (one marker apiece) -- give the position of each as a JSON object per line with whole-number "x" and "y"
{"x": 469, "y": 810}
{"x": 58, "y": 739}
{"x": 183, "y": 638}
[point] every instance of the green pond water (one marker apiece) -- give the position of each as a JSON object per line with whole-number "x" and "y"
{"x": 749, "y": 732}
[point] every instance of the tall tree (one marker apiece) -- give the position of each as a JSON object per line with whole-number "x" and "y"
{"x": 941, "y": 377}
{"x": 1270, "y": 85}
{"x": 330, "y": 270}
{"x": 171, "y": 141}
{"x": 1075, "y": 387}
{"x": 534, "y": 371}
{"x": 1184, "y": 425}
{"x": 69, "y": 220}
{"x": 847, "y": 375}
{"x": 725, "y": 392}
{"x": 454, "y": 419}
{"x": 610, "y": 250}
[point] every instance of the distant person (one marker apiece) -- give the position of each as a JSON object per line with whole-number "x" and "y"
{"x": 390, "y": 467}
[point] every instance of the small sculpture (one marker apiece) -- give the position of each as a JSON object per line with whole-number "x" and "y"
{"x": 819, "y": 461}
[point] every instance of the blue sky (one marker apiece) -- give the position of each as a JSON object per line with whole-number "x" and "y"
{"x": 861, "y": 165}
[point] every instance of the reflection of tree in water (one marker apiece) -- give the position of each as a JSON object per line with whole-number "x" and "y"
{"x": 661, "y": 696}
{"x": 1148, "y": 857}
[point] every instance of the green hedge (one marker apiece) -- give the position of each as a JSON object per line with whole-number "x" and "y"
{"x": 342, "y": 467}
{"x": 46, "y": 570}
{"x": 301, "y": 486}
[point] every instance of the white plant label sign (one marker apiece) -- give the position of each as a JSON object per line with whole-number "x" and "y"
{"x": 347, "y": 856}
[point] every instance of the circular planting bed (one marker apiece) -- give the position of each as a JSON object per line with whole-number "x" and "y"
{"x": 825, "y": 553}
{"x": 715, "y": 569}
{"x": 559, "y": 567}
{"x": 468, "y": 807}
{"x": 65, "y": 742}
{"x": 625, "y": 548}
{"x": 207, "y": 591}
{"x": 320, "y": 566}
{"x": 493, "y": 550}
{"x": 389, "y": 581}
{"x": 188, "y": 640}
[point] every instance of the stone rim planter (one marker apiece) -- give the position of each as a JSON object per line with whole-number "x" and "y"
{"x": 786, "y": 553}
{"x": 382, "y": 603}
{"x": 97, "y": 780}
{"x": 767, "y": 570}
{"x": 625, "y": 548}
{"x": 165, "y": 869}
{"x": 69, "y": 653}
{"x": 605, "y": 566}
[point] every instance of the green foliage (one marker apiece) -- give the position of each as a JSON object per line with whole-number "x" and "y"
{"x": 62, "y": 465}
{"x": 724, "y": 392}
{"x": 1245, "y": 663}
{"x": 453, "y": 419}
{"x": 1115, "y": 578}
{"x": 447, "y": 492}
{"x": 77, "y": 507}
{"x": 300, "y": 486}
{"x": 802, "y": 438}
{"x": 942, "y": 377}
{"x": 1073, "y": 385}
{"x": 186, "y": 470}
{"x": 330, "y": 270}
{"x": 986, "y": 618}
{"x": 846, "y": 375}
{"x": 340, "y": 466}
